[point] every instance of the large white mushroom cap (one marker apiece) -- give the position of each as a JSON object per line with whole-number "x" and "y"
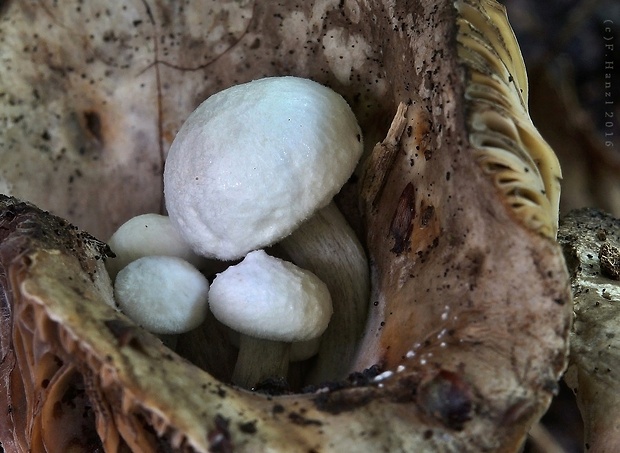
{"x": 164, "y": 294}
{"x": 254, "y": 161}
{"x": 268, "y": 298}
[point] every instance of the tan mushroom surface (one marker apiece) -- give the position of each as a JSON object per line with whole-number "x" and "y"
{"x": 591, "y": 239}
{"x": 470, "y": 306}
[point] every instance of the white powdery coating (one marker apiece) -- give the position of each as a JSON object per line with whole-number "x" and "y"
{"x": 254, "y": 161}
{"x": 268, "y": 298}
{"x": 144, "y": 235}
{"x": 164, "y": 294}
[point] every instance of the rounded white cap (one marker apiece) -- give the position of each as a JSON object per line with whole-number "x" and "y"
{"x": 272, "y": 299}
{"x": 144, "y": 235}
{"x": 254, "y": 161}
{"x": 164, "y": 294}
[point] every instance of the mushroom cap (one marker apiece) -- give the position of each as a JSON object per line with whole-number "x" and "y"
{"x": 164, "y": 294}
{"x": 303, "y": 350}
{"x": 254, "y": 161}
{"x": 144, "y": 235}
{"x": 272, "y": 299}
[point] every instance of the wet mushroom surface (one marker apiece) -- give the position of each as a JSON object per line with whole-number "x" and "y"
{"x": 455, "y": 202}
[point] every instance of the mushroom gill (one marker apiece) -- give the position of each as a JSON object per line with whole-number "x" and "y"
{"x": 508, "y": 146}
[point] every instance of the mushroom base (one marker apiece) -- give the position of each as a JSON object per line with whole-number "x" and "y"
{"x": 260, "y": 360}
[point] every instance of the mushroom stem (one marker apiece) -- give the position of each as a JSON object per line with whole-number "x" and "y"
{"x": 327, "y": 246}
{"x": 260, "y": 359}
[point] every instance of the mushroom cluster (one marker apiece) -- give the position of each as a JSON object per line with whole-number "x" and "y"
{"x": 254, "y": 165}
{"x": 470, "y": 309}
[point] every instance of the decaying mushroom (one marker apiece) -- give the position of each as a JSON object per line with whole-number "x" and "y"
{"x": 470, "y": 306}
{"x": 591, "y": 243}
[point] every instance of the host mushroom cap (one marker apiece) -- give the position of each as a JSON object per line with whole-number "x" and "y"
{"x": 254, "y": 161}
{"x": 265, "y": 297}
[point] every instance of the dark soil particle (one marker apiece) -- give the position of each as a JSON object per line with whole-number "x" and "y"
{"x": 248, "y": 427}
{"x": 299, "y": 419}
{"x": 220, "y": 440}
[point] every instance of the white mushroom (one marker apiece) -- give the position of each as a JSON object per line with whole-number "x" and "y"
{"x": 144, "y": 235}
{"x": 252, "y": 162}
{"x": 164, "y": 294}
{"x": 271, "y": 303}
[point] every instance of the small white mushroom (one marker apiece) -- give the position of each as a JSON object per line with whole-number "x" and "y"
{"x": 144, "y": 235}
{"x": 164, "y": 294}
{"x": 271, "y": 303}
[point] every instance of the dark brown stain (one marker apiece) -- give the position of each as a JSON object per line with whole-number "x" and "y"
{"x": 427, "y": 214}
{"x": 300, "y": 420}
{"x": 126, "y": 334}
{"x": 277, "y": 409}
{"x": 343, "y": 401}
{"x": 220, "y": 440}
{"x": 448, "y": 398}
{"x": 248, "y": 427}
{"x": 93, "y": 125}
{"x": 401, "y": 226}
